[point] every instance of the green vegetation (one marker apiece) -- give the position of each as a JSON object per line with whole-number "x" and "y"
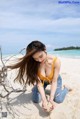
{"x": 68, "y": 48}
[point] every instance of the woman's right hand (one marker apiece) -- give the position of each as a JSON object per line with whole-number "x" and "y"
{"x": 47, "y": 106}
{"x": 44, "y": 105}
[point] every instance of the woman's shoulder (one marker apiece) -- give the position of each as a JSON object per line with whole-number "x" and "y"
{"x": 53, "y": 58}
{"x": 50, "y": 56}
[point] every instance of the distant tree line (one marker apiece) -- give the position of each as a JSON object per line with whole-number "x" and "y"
{"x": 68, "y": 48}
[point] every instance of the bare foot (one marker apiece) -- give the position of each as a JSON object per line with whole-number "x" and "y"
{"x": 69, "y": 88}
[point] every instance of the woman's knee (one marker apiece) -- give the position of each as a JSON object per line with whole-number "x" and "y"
{"x": 58, "y": 99}
{"x": 36, "y": 98}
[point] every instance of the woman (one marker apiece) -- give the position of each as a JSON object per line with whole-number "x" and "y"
{"x": 41, "y": 69}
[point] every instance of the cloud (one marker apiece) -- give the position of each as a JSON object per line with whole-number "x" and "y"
{"x": 49, "y": 46}
{"x": 39, "y": 24}
{"x": 46, "y": 16}
{"x": 46, "y": 20}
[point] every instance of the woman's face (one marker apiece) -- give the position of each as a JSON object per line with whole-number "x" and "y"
{"x": 40, "y": 56}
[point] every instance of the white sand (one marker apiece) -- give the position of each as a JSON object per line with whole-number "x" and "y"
{"x": 69, "y": 109}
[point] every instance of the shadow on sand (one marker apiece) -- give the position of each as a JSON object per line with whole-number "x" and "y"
{"x": 26, "y": 98}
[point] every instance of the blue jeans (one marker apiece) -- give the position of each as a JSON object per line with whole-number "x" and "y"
{"x": 59, "y": 94}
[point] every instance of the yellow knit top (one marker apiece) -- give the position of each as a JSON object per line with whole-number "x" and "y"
{"x": 50, "y": 77}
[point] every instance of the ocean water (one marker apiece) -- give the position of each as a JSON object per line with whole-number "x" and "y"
{"x": 62, "y": 53}
{"x": 66, "y": 53}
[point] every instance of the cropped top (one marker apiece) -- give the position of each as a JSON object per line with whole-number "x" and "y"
{"x": 50, "y": 77}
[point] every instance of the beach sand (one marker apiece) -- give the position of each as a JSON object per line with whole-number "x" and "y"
{"x": 24, "y": 108}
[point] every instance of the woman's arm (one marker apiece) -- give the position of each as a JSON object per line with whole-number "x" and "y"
{"x": 41, "y": 90}
{"x": 54, "y": 81}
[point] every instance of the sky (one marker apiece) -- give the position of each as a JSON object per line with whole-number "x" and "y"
{"x": 49, "y": 21}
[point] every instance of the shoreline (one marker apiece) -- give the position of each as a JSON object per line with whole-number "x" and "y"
{"x": 62, "y": 56}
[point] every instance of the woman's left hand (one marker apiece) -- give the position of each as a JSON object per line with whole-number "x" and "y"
{"x": 53, "y": 104}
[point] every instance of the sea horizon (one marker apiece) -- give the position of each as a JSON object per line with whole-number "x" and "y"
{"x": 61, "y": 53}
{"x": 67, "y": 53}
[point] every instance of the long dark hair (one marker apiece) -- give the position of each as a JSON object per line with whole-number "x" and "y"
{"x": 27, "y": 65}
